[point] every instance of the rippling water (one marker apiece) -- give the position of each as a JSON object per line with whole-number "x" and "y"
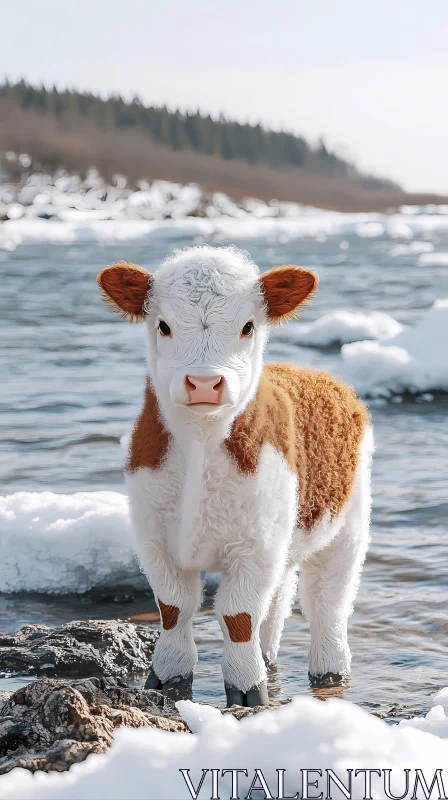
{"x": 72, "y": 382}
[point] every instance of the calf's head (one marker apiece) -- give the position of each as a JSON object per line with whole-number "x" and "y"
{"x": 207, "y": 312}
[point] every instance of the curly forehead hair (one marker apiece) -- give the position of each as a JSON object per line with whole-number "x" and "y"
{"x": 220, "y": 270}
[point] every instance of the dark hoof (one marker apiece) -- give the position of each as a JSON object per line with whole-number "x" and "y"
{"x": 257, "y": 696}
{"x": 178, "y": 688}
{"x": 152, "y": 681}
{"x": 328, "y": 679}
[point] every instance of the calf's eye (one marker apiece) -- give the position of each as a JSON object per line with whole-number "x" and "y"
{"x": 164, "y": 329}
{"x": 247, "y": 329}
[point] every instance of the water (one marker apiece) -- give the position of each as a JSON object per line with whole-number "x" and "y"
{"x": 72, "y": 379}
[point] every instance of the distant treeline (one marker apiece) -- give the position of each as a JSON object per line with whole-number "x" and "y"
{"x": 181, "y": 131}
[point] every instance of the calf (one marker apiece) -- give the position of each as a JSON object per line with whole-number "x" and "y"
{"x": 250, "y": 470}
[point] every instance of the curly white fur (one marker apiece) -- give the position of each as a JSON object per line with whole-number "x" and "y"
{"x": 198, "y": 512}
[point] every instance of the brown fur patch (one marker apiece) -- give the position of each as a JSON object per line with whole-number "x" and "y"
{"x": 169, "y": 614}
{"x": 150, "y": 439}
{"x": 240, "y": 626}
{"x": 125, "y": 287}
{"x": 316, "y": 422}
{"x": 285, "y": 288}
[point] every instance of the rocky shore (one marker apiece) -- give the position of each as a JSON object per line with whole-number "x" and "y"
{"x": 54, "y": 722}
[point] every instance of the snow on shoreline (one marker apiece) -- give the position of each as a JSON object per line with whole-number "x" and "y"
{"x": 308, "y": 222}
{"x": 68, "y": 543}
{"x": 146, "y": 763}
{"x": 65, "y": 209}
{"x": 62, "y": 543}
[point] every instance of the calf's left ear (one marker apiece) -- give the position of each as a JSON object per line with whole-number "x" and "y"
{"x": 285, "y": 289}
{"x": 125, "y": 287}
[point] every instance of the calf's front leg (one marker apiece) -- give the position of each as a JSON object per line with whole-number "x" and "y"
{"x": 178, "y": 595}
{"x": 242, "y": 601}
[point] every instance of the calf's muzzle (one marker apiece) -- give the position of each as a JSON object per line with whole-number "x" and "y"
{"x": 204, "y": 389}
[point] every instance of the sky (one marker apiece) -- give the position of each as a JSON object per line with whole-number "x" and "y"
{"x": 371, "y": 78}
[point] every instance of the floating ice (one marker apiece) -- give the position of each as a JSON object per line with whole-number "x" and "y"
{"x": 414, "y": 360}
{"x": 339, "y": 327}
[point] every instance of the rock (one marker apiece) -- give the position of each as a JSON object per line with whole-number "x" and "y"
{"x": 79, "y": 649}
{"x": 51, "y": 724}
{"x": 4, "y": 696}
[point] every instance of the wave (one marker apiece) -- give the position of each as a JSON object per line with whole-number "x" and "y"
{"x": 147, "y": 762}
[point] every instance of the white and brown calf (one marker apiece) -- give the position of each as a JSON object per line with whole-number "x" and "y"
{"x": 250, "y": 470}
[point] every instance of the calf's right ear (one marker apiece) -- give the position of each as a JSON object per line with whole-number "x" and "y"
{"x": 125, "y": 287}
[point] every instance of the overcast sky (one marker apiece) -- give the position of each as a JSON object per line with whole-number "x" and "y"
{"x": 371, "y": 77}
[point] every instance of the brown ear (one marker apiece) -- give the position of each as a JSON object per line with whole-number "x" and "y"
{"x": 125, "y": 287}
{"x": 285, "y": 288}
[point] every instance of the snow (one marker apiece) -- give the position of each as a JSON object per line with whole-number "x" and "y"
{"x": 413, "y": 360}
{"x": 306, "y": 734}
{"x": 339, "y": 327}
{"x": 62, "y": 208}
{"x": 94, "y": 225}
{"x": 62, "y": 543}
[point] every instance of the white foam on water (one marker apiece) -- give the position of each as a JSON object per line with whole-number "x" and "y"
{"x": 433, "y": 260}
{"x": 146, "y": 763}
{"x": 414, "y": 248}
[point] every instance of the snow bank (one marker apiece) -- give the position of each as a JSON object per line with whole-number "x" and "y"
{"x": 339, "y": 327}
{"x": 414, "y": 360}
{"x": 62, "y": 543}
{"x": 307, "y": 734}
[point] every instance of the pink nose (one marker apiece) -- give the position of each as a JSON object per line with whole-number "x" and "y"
{"x": 204, "y": 390}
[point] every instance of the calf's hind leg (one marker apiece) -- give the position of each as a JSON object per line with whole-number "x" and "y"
{"x": 329, "y": 581}
{"x": 279, "y": 609}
